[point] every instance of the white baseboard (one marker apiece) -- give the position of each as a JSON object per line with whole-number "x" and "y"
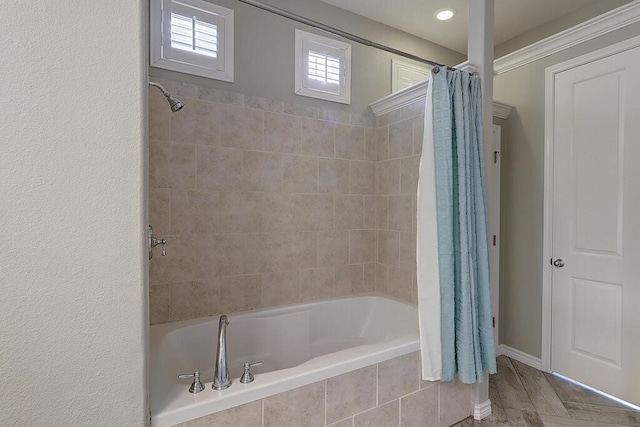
{"x": 521, "y": 356}
{"x": 482, "y": 410}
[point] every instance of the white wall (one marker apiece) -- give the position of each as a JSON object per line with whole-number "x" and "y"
{"x": 72, "y": 213}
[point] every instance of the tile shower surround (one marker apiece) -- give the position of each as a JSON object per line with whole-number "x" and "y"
{"x": 266, "y": 203}
{"x": 388, "y": 394}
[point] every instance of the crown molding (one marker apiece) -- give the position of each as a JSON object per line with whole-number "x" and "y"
{"x": 595, "y": 27}
{"x": 418, "y": 92}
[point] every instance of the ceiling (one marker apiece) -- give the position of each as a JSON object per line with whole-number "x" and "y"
{"x": 512, "y": 17}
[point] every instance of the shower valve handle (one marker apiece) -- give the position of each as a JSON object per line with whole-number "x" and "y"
{"x": 196, "y": 386}
{"x": 247, "y": 377}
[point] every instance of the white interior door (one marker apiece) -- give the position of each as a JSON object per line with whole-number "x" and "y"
{"x": 595, "y": 295}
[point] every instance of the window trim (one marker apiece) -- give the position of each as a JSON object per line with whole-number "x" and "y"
{"x": 219, "y": 68}
{"x": 399, "y": 67}
{"x": 304, "y": 86}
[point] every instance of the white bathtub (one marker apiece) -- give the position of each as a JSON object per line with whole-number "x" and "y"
{"x": 299, "y": 344}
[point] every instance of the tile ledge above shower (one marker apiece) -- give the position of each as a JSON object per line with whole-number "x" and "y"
{"x": 417, "y": 92}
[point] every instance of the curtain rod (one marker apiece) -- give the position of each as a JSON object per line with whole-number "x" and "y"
{"x": 340, "y": 33}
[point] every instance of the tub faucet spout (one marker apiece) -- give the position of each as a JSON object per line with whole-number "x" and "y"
{"x": 221, "y": 379}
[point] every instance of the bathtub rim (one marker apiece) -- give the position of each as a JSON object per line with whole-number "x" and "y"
{"x": 271, "y": 383}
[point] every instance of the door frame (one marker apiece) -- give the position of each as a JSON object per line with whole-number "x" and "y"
{"x": 547, "y": 245}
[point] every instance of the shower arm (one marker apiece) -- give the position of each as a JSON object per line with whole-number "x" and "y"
{"x": 175, "y": 103}
{"x": 162, "y": 89}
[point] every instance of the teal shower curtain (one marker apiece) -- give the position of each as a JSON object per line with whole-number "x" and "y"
{"x": 463, "y": 254}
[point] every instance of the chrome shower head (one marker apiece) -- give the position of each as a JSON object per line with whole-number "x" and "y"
{"x": 174, "y": 103}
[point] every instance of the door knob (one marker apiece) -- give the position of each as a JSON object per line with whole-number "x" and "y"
{"x": 558, "y": 263}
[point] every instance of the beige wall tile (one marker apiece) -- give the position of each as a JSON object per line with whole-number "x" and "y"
{"x": 401, "y": 139}
{"x": 371, "y": 144}
{"x": 241, "y": 127}
{"x": 349, "y": 279}
{"x": 349, "y": 212}
{"x": 398, "y": 377}
{"x": 349, "y": 142}
{"x": 414, "y": 109}
{"x": 333, "y": 248}
{"x": 408, "y": 251}
{"x": 263, "y": 104}
{"x": 409, "y": 171}
{"x": 421, "y": 408}
{"x": 277, "y": 212}
{"x": 199, "y": 123}
{"x": 270, "y": 252}
{"x": 382, "y": 416}
{"x": 191, "y": 300}
{"x": 370, "y": 204}
{"x": 312, "y": 212}
{"x": 362, "y": 246}
{"x": 418, "y": 134}
{"x": 248, "y": 415}
{"x": 388, "y": 177}
{"x": 240, "y": 212}
{"x": 303, "y": 406}
{"x": 179, "y": 265}
{"x": 382, "y": 277}
{"x": 365, "y": 121}
{"x": 219, "y": 255}
{"x": 301, "y": 110}
{"x": 280, "y": 288}
{"x": 261, "y": 171}
{"x": 221, "y": 96}
{"x": 159, "y": 117}
{"x": 159, "y": 303}
{"x": 317, "y": 138}
{"x": 382, "y": 212}
{"x": 362, "y": 177}
{"x": 401, "y": 213}
{"x": 351, "y": 393}
{"x": 219, "y": 168}
{"x": 382, "y": 143}
{"x": 333, "y": 176}
{"x": 401, "y": 284}
{"x": 172, "y": 165}
{"x": 180, "y": 89}
{"x": 388, "y": 118}
{"x": 282, "y": 133}
{"x": 300, "y": 174}
{"x": 194, "y": 212}
{"x": 335, "y": 116}
{"x": 369, "y": 277}
{"x": 160, "y": 211}
{"x": 388, "y": 247}
{"x": 316, "y": 283}
{"x": 455, "y": 402}
{"x": 239, "y": 293}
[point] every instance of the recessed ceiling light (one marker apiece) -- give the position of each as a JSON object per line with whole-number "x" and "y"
{"x": 443, "y": 15}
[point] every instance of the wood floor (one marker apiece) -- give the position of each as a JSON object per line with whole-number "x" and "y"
{"x": 523, "y": 396}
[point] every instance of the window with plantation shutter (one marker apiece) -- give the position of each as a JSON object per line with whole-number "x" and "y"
{"x": 323, "y": 67}
{"x": 192, "y": 36}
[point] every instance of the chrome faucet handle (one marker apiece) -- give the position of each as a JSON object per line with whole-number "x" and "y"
{"x": 247, "y": 377}
{"x": 153, "y": 242}
{"x": 196, "y": 386}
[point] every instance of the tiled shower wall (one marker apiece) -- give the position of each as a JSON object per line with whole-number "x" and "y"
{"x": 266, "y": 203}
{"x": 263, "y": 203}
{"x": 398, "y": 151}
